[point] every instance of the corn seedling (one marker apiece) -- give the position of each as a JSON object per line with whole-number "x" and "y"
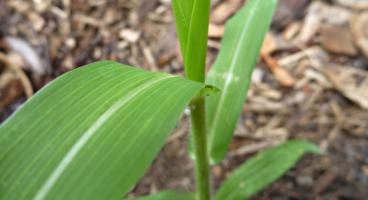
{"x": 92, "y": 133}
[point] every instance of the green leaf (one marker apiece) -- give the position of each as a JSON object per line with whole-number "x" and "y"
{"x": 192, "y": 18}
{"x": 168, "y": 195}
{"x": 91, "y": 133}
{"x": 263, "y": 169}
{"x": 232, "y": 72}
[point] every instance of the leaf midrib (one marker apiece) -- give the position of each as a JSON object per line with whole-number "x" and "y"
{"x": 228, "y": 79}
{"x": 68, "y": 158}
{"x": 36, "y": 122}
{"x": 131, "y": 142}
{"x": 29, "y": 165}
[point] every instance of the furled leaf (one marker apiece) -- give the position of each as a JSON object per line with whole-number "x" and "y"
{"x": 168, "y": 195}
{"x": 232, "y": 72}
{"x": 192, "y": 18}
{"x": 263, "y": 169}
{"x": 91, "y": 133}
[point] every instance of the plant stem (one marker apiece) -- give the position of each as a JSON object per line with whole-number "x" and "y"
{"x": 200, "y": 147}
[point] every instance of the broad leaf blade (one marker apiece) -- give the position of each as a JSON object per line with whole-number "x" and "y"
{"x": 192, "y": 18}
{"x": 232, "y": 72}
{"x": 263, "y": 169}
{"x": 168, "y": 195}
{"x": 91, "y": 133}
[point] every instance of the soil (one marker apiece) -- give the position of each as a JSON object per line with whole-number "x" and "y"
{"x": 311, "y": 81}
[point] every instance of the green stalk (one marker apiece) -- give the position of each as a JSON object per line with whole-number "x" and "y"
{"x": 200, "y": 147}
{"x": 192, "y": 19}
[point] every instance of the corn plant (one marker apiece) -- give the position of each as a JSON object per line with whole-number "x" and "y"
{"x": 92, "y": 133}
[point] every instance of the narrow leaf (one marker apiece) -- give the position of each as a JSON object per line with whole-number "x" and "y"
{"x": 263, "y": 169}
{"x": 232, "y": 72}
{"x": 192, "y": 18}
{"x": 91, "y": 133}
{"x": 168, "y": 195}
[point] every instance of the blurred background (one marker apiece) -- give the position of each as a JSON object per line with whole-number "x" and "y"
{"x": 311, "y": 80}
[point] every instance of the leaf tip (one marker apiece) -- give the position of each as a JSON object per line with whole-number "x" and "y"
{"x": 306, "y": 146}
